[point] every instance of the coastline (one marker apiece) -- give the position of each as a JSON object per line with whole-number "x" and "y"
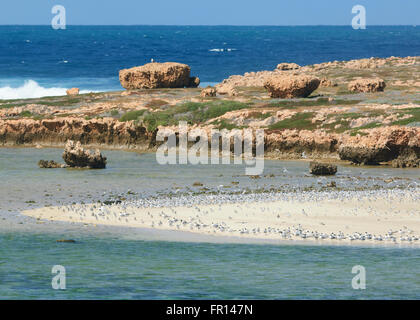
{"x": 308, "y": 218}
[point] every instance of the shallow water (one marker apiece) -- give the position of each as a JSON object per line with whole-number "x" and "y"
{"x": 125, "y": 264}
{"x": 25, "y": 185}
{"x": 109, "y": 268}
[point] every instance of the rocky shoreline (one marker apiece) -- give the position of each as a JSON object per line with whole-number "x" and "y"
{"x": 399, "y": 145}
{"x": 376, "y": 124}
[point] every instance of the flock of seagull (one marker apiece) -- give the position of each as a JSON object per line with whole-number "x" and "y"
{"x": 164, "y": 213}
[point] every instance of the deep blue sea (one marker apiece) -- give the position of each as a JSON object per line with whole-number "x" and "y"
{"x": 89, "y": 57}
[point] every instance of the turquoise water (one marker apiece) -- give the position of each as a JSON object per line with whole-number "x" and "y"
{"x": 109, "y": 268}
{"x": 117, "y": 263}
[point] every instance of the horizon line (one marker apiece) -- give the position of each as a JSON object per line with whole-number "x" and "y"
{"x": 211, "y": 25}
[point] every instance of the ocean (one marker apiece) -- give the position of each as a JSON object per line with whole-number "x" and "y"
{"x": 39, "y": 61}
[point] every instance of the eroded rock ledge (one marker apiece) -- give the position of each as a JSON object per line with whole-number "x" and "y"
{"x": 398, "y": 144}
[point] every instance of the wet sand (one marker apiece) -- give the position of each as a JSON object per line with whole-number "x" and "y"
{"x": 341, "y": 217}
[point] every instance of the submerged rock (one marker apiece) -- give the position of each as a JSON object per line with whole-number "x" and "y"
{"x": 293, "y": 86}
{"x": 75, "y": 156}
{"x": 401, "y": 144}
{"x": 66, "y": 240}
{"x": 50, "y": 164}
{"x": 322, "y": 169}
{"x": 158, "y": 75}
{"x": 367, "y": 85}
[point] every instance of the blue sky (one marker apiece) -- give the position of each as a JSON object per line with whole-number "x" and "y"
{"x": 213, "y": 12}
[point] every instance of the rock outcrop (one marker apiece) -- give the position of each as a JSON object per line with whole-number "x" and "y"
{"x": 367, "y": 85}
{"x": 72, "y": 92}
{"x": 327, "y": 83}
{"x": 51, "y": 164}
{"x": 77, "y": 157}
{"x": 322, "y": 169}
{"x": 287, "y": 66}
{"x": 94, "y": 132}
{"x": 208, "y": 92}
{"x": 299, "y": 86}
{"x": 158, "y": 75}
{"x": 401, "y": 144}
{"x": 300, "y": 144}
{"x": 226, "y": 90}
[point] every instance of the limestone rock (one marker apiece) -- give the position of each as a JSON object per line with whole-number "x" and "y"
{"x": 293, "y": 86}
{"x": 401, "y": 144}
{"x": 322, "y": 169}
{"x": 226, "y": 89}
{"x": 288, "y": 66}
{"x": 45, "y": 164}
{"x": 327, "y": 83}
{"x": 208, "y": 92}
{"x": 194, "y": 82}
{"x": 367, "y": 85}
{"x": 75, "y": 156}
{"x": 158, "y": 75}
{"x": 72, "y": 92}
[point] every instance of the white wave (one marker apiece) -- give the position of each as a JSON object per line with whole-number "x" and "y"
{"x": 31, "y": 89}
{"x": 222, "y": 49}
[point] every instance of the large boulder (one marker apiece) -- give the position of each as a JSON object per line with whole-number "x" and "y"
{"x": 367, "y": 85}
{"x": 75, "y": 156}
{"x": 158, "y": 75}
{"x": 382, "y": 145}
{"x": 292, "y": 86}
{"x": 322, "y": 169}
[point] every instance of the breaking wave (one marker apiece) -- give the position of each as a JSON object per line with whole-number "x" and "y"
{"x": 31, "y": 89}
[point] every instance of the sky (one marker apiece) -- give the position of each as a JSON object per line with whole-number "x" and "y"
{"x": 213, "y": 12}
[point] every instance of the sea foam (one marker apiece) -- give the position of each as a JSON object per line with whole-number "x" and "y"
{"x": 31, "y": 89}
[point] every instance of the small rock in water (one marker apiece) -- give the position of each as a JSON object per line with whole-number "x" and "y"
{"x": 322, "y": 169}
{"x": 50, "y": 164}
{"x": 75, "y": 156}
{"x": 66, "y": 240}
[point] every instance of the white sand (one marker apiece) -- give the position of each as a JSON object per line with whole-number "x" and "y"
{"x": 393, "y": 217}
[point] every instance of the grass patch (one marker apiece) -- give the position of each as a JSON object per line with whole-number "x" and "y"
{"x": 114, "y": 113}
{"x": 414, "y": 112}
{"x": 298, "y": 121}
{"x": 132, "y": 115}
{"x": 26, "y": 114}
{"x": 191, "y": 112}
{"x": 291, "y": 104}
{"x": 156, "y": 104}
{"x": 225, "y": 124}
